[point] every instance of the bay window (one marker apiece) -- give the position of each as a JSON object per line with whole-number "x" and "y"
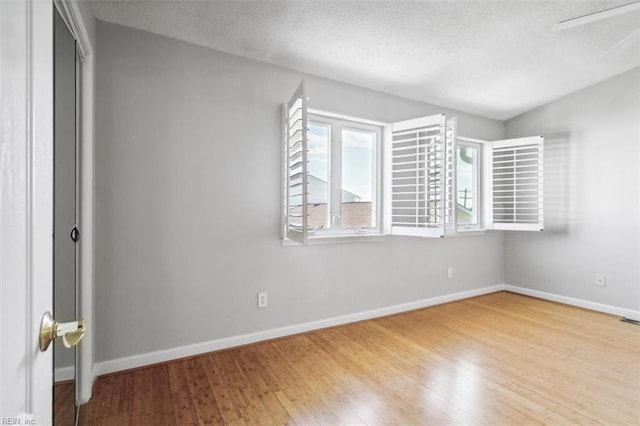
{"x": 348, "y": 179}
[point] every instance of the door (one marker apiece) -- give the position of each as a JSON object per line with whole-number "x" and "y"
{"x": 26, "y": 206}
{"x": 66, "y": 235}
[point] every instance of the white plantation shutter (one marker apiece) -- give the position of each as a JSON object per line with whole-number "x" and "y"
{"x": 515, "y": 184}
{"x": 295, "y": 158}
{"x": 451, "y": 137}
{"x": 416, "y": 170}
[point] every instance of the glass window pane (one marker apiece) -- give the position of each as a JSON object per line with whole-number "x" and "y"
{"x": 466, "y": 163}
{"x": 358, "y": 178}
{"x": 318, "y": 182}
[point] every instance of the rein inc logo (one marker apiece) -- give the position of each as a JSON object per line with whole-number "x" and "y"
{"x": 18, "y": 420}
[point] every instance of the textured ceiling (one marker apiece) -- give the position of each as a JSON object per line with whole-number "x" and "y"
{"x": 495, "y": 59}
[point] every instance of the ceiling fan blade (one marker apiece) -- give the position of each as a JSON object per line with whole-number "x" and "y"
{"x": 618, "y": 44}
{"x": 597, "y": 16}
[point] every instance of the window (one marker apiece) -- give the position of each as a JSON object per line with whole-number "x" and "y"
{"x": 319, "y": 190}
{"x": 344, "y": 175}
{"x": 468, "y": 198}
{"x": 416, "y": 174}
{"x": 499, "y": 184}
{"x": 433, "y": 182}
{"x": 515, "y": 184}
{"x": 295, "y": 122}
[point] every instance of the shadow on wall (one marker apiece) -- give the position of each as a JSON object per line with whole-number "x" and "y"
{"x": 557, "y": 182}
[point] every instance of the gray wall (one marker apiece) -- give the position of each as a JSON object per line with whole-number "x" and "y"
{"x": 188, "y": 203}
{"x": 591, "y": 196}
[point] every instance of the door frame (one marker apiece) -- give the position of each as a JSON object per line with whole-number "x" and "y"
{"x": 26, "y": 200}
{"x": 26, "y": 206}
{"x": 85, "y": 374}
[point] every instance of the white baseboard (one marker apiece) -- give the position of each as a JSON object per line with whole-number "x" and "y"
{"x": 594, "y": 306}
{"x": 64, "y": 373}
{"x": 135, "y": 361}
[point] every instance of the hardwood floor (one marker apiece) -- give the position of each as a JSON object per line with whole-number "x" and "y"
{"x": 496, "y": 359}
{"x": 64, "y": 408}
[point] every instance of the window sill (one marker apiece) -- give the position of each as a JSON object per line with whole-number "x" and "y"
{"x": 470, "y": 232}
{"x": 338, "y": 239}
{"x": 367, "y": 238}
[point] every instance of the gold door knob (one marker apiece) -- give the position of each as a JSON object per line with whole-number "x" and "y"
{"x": 73, "y": 338}
{"x": 71, "y": 332}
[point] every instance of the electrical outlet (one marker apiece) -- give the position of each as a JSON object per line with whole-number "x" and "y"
{"x": 450, "y": 272}
{"x": 600, "y": 280}
{"x": 263, "y": 300}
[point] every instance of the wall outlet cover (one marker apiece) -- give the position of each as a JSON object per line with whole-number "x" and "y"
{"x": 263, "y": 300}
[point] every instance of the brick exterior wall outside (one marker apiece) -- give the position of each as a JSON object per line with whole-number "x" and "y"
{"x": 354, "y": 215}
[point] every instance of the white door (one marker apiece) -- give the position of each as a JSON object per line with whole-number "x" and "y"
{"x": 26, "y": 205}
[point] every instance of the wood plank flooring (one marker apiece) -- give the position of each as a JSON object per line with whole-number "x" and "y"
{"x": 64, "y": 408}
{"x": 496, "y": 359}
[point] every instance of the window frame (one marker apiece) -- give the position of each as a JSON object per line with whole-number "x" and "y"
{"x": 295, "y": 229}
{"x": 335, "y": 232}
{"x": 479, "y": 187}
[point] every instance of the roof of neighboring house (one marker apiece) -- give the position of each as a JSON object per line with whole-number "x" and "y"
{"x": 318, "y": 191}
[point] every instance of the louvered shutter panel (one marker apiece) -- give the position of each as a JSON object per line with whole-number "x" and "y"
{"x": 515, "y": 176}
{"x": 451, "y": 137}
{"x": 296, "y": 215}
{"x": 417, "y": 177}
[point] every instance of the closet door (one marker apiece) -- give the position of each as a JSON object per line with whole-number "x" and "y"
{"x": 65, "y": 199}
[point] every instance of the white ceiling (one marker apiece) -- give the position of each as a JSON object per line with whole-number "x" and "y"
{"x": 493, "y": 58}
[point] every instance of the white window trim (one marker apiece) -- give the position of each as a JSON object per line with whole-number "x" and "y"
{"x": 479, "y": 200}
{"x": 375, "y": 233}
{"x": 314, "y": 111}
